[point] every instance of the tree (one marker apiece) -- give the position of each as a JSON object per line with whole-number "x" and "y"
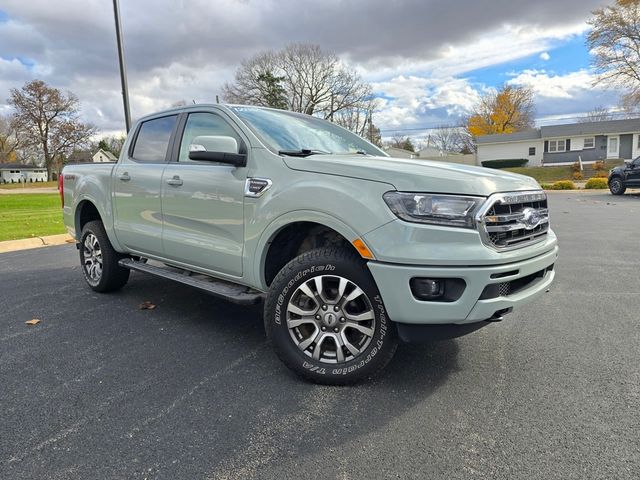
{"x": 302, "y": 78}
{"x": 449, "y": 138}
{"x": 48, "y": 119}
{"x": 614, "y": 40}
{"x": 9, "y": 140}
{"x": 507, "y": 110}
{"x": 111, "y": 144}
{"x": 405, "y": 143}
{"x": 598, "y": 114}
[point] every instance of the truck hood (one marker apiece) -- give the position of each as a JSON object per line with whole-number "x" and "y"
{"x": 416, "y": 175}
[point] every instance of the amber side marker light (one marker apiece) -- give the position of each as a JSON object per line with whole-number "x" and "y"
{"x": 362, "y": 249}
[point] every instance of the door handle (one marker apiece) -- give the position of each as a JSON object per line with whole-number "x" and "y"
{"x": 176, "y": 181}
{"x": 125, "y": 177}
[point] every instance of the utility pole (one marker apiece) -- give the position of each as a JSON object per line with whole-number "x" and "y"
{"x": 123, "y": 71}
{"x": 371, "y": 125}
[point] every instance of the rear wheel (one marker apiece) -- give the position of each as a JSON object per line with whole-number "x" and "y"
{"x": 326, "y": 319}
{"x": 99, "y": 260}
{"x": 616, "y": 186}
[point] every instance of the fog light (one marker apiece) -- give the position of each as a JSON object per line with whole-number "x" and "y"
{"x": 427, "y": 288}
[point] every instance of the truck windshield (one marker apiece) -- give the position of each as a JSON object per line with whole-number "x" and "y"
{"x": 296, "y": 134}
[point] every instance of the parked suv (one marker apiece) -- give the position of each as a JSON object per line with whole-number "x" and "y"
{"x": 350, "y": 249}
{"x": 625, "y": 176}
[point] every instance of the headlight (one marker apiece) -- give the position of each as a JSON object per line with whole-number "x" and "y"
{"x": 453, "y": 211}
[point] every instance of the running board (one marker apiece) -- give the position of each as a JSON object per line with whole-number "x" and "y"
{"x": 232, "y": 292}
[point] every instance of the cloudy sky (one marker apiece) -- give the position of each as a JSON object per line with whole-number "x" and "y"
{"x": 428, "y": 60}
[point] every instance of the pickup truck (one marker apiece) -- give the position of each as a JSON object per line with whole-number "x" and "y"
{"x": 349, "y": 250}
{"x": 626, "y": 176}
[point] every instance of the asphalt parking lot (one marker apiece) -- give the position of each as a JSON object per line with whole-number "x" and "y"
{"x": 102, "y": 389}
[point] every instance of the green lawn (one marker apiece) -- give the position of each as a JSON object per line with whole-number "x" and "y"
{"x": 16, "y": 186}
{"x": 553, "y": 174}
{"x": 24, "y": 215}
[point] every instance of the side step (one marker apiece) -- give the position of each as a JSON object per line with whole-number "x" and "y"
{"x": 232, "y": 292}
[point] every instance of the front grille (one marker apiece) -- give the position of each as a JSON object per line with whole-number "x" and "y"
{"x": 514, "y": 220}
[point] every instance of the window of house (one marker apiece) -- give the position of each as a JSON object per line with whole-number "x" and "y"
{"x": 153, "y": 139}
{"x": 589, "y": 142}
{"x": 556, "y": 145}
{"x": 532, "y": 151}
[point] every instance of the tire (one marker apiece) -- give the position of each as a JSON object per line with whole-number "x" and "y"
{"x": 99, "y": 261}
{"x": 616, "y": 186}
{"x": 311, "y": 318}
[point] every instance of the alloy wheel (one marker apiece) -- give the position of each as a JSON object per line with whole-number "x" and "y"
{"x": 331, "y": 319}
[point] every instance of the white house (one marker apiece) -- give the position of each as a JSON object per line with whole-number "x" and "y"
{"x": 563, "y": 144}
{"x": 20, "y": 173}
{"x": 103, "y": 156}
{"x": 400, "y": 152}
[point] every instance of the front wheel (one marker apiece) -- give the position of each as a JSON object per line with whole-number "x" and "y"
{"x": 326, "y": 319}
{"x": 99, "y": 260}
{"x": 616, "y": 186}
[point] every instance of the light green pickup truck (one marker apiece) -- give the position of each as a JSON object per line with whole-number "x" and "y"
{"x": 349, "y": 249}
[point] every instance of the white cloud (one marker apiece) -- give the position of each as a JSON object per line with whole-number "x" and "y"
{"x": 187, "y": 50}
{"x": 545, "y": 56}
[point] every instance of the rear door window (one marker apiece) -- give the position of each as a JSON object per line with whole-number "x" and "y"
{"x": 153, "y": 139}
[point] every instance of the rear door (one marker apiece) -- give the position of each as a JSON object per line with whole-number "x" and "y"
{"x": 136, "y": 186}
{"x": 203, "y": 202}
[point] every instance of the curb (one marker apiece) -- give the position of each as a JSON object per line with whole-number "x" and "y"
{"x": 35, "y": 242}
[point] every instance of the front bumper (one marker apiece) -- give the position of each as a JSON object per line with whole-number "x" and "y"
{"x": 393, "y": 283}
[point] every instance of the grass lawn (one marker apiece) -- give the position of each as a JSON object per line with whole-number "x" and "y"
{"x": 16, "y": 186}
{"x": 24, "y": 215}
{"x": 553, "y": 174}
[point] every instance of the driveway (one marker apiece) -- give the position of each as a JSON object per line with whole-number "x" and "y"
{"x": 102, "y": 389}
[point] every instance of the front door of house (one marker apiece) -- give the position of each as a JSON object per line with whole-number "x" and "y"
{"x": 613, "y": 147}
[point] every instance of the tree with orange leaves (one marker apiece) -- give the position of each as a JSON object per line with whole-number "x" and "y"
{"x": 507, "y": 110}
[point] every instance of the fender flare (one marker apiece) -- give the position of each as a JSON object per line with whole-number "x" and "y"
{"x": 269, "y": 233}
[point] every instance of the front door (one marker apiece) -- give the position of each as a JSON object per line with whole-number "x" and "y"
{"x": 203, "y": 202}
{"x": 136, "y": 187}
{"x": 613, "y": 147}
{"x": 626, "y": 146}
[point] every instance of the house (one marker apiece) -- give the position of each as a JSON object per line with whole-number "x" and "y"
{"x": 563, "y": 144}
{"x": 103, "y": 156}
{"x": 429, "y": 152}
{"x": 400, "y": 152}
{"x": 20, "y": 173}
{"x": 80, "y": 156}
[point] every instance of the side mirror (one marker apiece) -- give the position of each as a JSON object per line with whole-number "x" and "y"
{"x": 216, "y": 148}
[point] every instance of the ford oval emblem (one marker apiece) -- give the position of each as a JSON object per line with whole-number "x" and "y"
{"x": 531, "y": 218}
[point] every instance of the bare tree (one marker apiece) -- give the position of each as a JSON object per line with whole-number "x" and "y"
{"x": 598, "y": 114}
{"x": 615, "y": 41}
{"x": 48, "y": 119}
{"x": 303, "y": 78}
{"x": 447, "y": 138}
{"x": 398, "y": 141}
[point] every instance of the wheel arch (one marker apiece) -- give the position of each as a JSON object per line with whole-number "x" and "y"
{"x": 87, "y": 210}
{"x": 293, "y": 234}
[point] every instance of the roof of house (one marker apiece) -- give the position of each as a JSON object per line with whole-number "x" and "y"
{"x": 81, "y": 156}
{"x": 592, "y": 128}
{"x": 17, "y": 166}
{"x": 566, "y": 130}
{"x": 107, "y": 154}
{"x": 533, "y": 134}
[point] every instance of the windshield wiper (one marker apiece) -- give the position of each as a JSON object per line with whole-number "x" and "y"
{"x": 303, "y": 152}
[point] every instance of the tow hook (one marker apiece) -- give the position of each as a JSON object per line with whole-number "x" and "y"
{"x": 499, "y": 315}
